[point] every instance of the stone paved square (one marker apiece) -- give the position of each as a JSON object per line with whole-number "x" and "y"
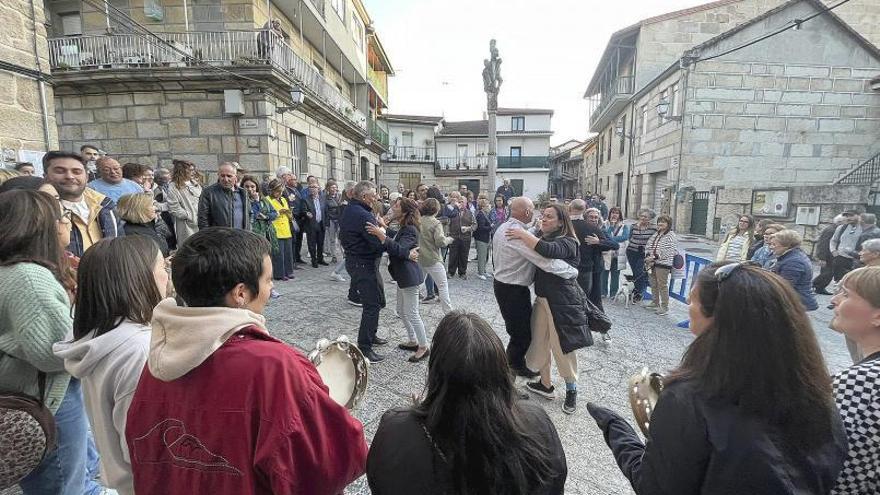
{"x": 313, "y": 307}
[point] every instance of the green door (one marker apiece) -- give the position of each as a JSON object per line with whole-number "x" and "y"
{"x": 699, "y": 212}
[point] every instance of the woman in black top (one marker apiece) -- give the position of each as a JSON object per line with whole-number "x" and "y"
{"x": 139, "y": 213}
{"x": 749, "y": 410}
{"x": 469, "y": 435}
{"x": 482, "y": 237}
{"x": 559, "y": 318}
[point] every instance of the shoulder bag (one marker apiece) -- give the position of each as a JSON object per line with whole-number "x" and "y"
{"x": 27, "y": 434}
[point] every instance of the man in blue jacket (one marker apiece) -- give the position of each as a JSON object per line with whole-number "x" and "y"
{"x": 363, "y": 253}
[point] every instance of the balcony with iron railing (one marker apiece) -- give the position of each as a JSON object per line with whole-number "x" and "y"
{"x": 200, "y": 50}
{"x": 462, "y": 165}
{"x": 610, "y": 101}
{"x": 523, "y": 162}
{"x": 377, "y": 133}
{"x": 410, "y": 154}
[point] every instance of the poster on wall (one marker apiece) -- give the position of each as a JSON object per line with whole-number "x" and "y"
{"x": 770, "y": 202}
{"x": 807, "y": 215}
{"x": 35, "y": 157}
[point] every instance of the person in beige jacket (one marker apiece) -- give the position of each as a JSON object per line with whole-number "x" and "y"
{"x": 184, "y": 192}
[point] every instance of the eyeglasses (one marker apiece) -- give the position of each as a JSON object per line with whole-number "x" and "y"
{"x": 724, "y": 272}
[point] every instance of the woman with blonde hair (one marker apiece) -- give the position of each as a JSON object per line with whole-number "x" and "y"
{"x": 793, "y": 264}
{"x": 735, "y": 246}
{"x": 857, "y": 389}
{"x": 139, "y": 213}
{"x": 764, "y": 255}
{"x": 184, "y": 192}
{"x": 282, "y": 258}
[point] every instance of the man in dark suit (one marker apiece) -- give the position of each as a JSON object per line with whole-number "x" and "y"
{"x": 588, "y": 227}
{"x": 312, "y": 213}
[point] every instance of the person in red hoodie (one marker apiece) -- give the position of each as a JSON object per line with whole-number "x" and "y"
{"x": 222, "y": 407}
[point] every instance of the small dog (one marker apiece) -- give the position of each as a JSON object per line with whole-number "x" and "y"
{"x": 627, "y": 289}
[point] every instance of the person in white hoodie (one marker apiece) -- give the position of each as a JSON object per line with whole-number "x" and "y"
{"x": 120, "y": 281}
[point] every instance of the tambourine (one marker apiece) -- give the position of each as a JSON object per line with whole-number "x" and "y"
{"x": 343, "y": 368}
{"x": 644, "y": 392}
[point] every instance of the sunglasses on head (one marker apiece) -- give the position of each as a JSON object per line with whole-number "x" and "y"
{"x": 722, "y": 273}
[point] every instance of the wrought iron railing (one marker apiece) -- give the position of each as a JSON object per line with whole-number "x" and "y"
{"x": 411, "y": 153}
{"x": 866, "y": 173}
{"x": 523, "y": 162}
{"x": 463, "y": 163}
{"x": 199, "y": 49}
{"x": 622, "y": 86}
{"x": 377, "y": 133}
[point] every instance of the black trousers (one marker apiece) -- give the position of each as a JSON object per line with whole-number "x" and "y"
{"x": 366, "y": 279}
{"x": 315, "y": 240}
{"x": 515, "y": 303}
{"x": 591, "y": 283}
{"x": 825, "y": 275}
{"x": 298, "y": 245}
{"x": 841, "y": 266}
{"x": 458, "y": 255}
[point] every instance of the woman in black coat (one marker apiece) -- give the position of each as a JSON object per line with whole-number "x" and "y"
{"x": 559, "y": 317}
{"x": 401, "y": 246}
{"x": 750, "y": 408}
{"x": 139, "y": 213}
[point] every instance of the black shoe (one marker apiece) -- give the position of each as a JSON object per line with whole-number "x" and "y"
{"x": 373, "y": 357}
{"x": 570, "y": 404}
{"x": 539, "y": 388}
{"x": 323, "y": 263}
{"x": 314, "y": 264}
{"x": 525, "y": 372}
{"x": 379, "y": 340}
{"x": 407, "y": 347}
{"x": 429, "y": 298}
{"x": 414, "y": 359}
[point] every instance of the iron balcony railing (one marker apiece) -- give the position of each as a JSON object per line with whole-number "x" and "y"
{"x": 867, "y": 173}
{"x": 621, "y": 87}
{"x": 199, "y": 49}
{"x": 377, "y": 133}
{"x": 411, "y": 153}
{"x": 523, "y": 162}
{"x": 463, "y": 163}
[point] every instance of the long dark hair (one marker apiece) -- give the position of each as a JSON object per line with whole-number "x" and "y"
{"x": 473, "y": 416}
{"x": 115, "y": 282}
{"x": 30, "y": 232}
{"x": 180, "y": 172}
{"x": 409, "y": 212}
{"x": 760, "y": 353}
{"x": 566, "y": 229}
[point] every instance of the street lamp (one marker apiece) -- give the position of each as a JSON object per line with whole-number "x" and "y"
{"x": 663, "y": 111}
{"x": 297, "y": 96}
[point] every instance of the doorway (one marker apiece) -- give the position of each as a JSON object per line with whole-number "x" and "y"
{"x": 473, "y": 185}
{"x": 699, "y": 212}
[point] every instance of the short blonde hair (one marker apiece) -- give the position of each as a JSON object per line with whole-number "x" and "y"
{"x": 788, "y": 238}
{"x": 865, "y": 282}
{"x": 136, "y": 208}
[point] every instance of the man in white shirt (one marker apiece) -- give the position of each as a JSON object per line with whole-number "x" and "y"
{"x": 514, "y": 272}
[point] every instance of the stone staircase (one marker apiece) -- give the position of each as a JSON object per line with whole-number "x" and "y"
{"x": 866, "y": 173}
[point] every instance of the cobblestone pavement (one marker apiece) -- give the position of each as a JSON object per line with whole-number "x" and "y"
{"x": 313, "y": 307}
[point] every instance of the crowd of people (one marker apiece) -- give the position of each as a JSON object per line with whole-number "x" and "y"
{"x": 124, "y": 316}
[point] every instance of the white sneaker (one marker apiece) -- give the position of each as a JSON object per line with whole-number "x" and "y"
{"x": 337, "y": 277}
{"x": 606, "y": 338}
{"x": 482, "y": 277}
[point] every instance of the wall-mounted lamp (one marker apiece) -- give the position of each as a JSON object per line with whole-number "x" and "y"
{"x": 663, "y": 111}
{"x": 297, "y": 97}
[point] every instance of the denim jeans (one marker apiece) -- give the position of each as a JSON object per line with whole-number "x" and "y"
{"x": 66, "y": 470}
{"x": 430, "y": 286}
{"x": 408, "y": 309}
{"x": 636, "y": 262}
{"x": 282, "y": 261}
{"x": 437, "y": 274}
{"x": 331, "y": 233}
{"x": 610, "y": 282}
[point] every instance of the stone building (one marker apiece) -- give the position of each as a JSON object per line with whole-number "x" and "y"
{"x": 460, "y": 151}
{"x": 768, "y": 129}
{"x": 209, "y": 82}
{"x": 567, "y": 169}
{"x": 27, "y": 114}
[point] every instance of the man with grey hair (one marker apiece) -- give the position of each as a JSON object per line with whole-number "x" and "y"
{"x": 363, "y": 254}
{"x": 869, "y": 229}
{"x": 294, "y": 196}
{"x": 224, "y": 204}
{"x": 514, "y": 272}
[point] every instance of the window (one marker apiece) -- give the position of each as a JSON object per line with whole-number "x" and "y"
{"x": 676, "y": 101}
{"x": 71, "y": 24}
{"x": 357, "y": 30}
{"x": 515, "y": 154}
{"x": 407, "y": 138}
{"x": 664, "y": 96}
{"x": 517, "y": 123}
{"x": 339, "y": 7}
{"x": 462, "y": 154}
{"x": 601, "y": 149}
{"x": 644, "y": 119}
{"x": 330, "y": 163}
{"x": 297, "y": 152}
{"x": 623, "y": 135}
{"x": 610, "y": 142}
{"x": 410, "y": 180}
{"x": 517, "y": 185}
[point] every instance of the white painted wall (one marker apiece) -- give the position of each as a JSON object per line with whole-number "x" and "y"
{"x": 421, "y": 133}
{"x": 533, "y": 122}
{"x": 448, "y": 147}
{"x": 534, "y": 182}
{"x": 531, "y": 146}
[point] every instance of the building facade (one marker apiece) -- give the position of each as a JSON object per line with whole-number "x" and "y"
{"x": 27, "y": 113}
{"x": 211, "y": 82}
{"x": 460, "y": 151}
{"x": 712, "y": 135}
{"x": 567, "y": 169}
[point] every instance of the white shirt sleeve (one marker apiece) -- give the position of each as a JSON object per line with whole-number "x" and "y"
{"x": 556, "y": 267}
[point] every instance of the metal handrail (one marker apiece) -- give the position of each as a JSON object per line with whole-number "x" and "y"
{"x": 378, "y": 134}
{"x": 463, "y": 163}
{"x": 411, "y": 153}
{"x": 195, "y": 49}
{"x": 865, "y": 173}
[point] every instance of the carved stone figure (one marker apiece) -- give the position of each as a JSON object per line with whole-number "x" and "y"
{"x": 492, "y": 76}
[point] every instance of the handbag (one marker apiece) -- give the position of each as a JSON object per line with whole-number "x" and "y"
{"x": 597, "y": 320}
{"x": 27, "y": 434}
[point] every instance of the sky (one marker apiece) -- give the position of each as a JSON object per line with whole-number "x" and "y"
{"x": 549, "y": 49}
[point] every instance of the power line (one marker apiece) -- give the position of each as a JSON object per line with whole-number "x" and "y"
{"x": 794, "y": 23}
{"x": 162, "y": 43}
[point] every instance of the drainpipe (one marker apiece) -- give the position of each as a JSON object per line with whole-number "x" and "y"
{"x": 40, "y": 82}
{"x": 682, "y": 94}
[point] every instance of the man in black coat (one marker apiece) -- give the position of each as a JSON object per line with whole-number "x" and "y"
{"x": 224, "y": 204}
{"x": 823, "y": 254}
{"x": 588, "y": 227}
{"x": 312, "y": 214}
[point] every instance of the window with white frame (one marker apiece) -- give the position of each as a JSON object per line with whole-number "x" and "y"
{"x": 675, "y": 104}
{"x": 517, "y": 123}
{"x": 664, "y": 96}
{"x": 71, "y": 23}
{"x": 339, "y": 7}
{"x": 407, "y": 138}
{"x": 644, "y": 119}
{"x": 357, "y": 30}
